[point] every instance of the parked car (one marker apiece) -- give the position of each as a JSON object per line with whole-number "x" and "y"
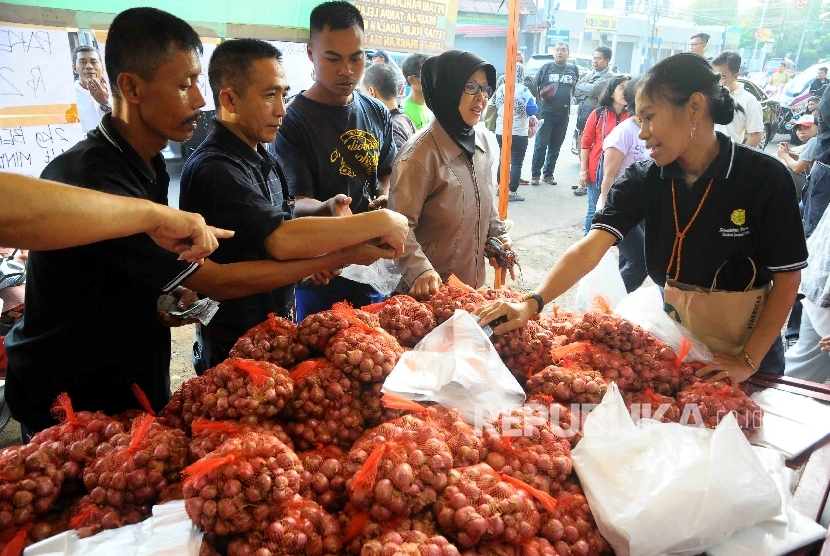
{"x": 771, "y": 109}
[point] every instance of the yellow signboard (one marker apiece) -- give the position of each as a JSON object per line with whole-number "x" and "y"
{"x": 600, "y": 23}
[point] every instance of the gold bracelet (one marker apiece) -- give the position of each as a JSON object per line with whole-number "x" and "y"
{"x": 749, "y": 362}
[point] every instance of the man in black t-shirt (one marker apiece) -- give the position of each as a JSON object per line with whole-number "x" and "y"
{"x": 557, "y": 80}
{"x": 91, "y": 326}
{"x": 335, "y": 140}
{"x": 230, "y": 178}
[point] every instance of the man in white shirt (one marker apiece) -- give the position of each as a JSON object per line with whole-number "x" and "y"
{"x": 748, "y": 126}
{"x": 91, "y": 91}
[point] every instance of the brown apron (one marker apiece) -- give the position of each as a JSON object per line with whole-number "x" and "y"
{"x": 720, "y": 319}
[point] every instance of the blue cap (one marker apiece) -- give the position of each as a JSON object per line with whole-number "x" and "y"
{"x": 382, "y": 53}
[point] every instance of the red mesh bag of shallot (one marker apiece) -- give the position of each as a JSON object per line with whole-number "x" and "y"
{"x": 238, "y": 486}
{"x": 316, "y": 330}
{"x": 209, "y": 434}
{"x": 134, "y": 468}
{"x": 453, "y": 295}
{"x": 405, "y": 318}
{"x": 323, "y": 479}
{"x": 78, "y": 435}
{"x": 409, "y": 543}
{"x": 569, "y": 383}
{"x": 536, "y": 546}
{"x": 276, "y": 340}
{"x": 504, "y": 294}
{"x": 522, "y": 444}
{"x": 709, "y": 403}
{"x": 301, "y": 527}
{"x": 480, "y": 505}
{"x": 559, "y": 322}
{"x": 398, "y": 468}
{"x": 15, "y": 540}
{"x": 173, "y": 414}
{"x": 338, "y": 427}
{"x": 570, "y": 526}
{"x": 371, "y": 406}
{"x": 126, "y": 418}
{"x": 525, "y": 351}
{"x": 358, "y": 527}
{"x": 564, "y": 422}
{"x": 365, "y": 353}
{"x": 173, "y": 491}
{"x": 89, "y": 518}
{"x": 467, "y": 447}
{"x": 318, "y": 387}
{"x": 651, "y": 405}
{"x": 241, "y": 389}
{"x": 30, "y": 481}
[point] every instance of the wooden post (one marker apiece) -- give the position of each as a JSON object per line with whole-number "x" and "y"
{"x": 507, "y": 128}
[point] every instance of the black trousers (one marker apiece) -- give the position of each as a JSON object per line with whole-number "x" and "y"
{"x": 549, "y": 141}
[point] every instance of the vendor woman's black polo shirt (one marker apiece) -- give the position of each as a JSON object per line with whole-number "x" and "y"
{"x": 90, "y": 326}
{"x": 751, "y": 211}
{"x": 238, "y": 188}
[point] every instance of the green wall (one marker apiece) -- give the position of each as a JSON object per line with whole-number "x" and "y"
{"x": 223, "y": 18}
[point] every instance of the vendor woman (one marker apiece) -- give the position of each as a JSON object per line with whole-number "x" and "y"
{"x": 707, "y": 203}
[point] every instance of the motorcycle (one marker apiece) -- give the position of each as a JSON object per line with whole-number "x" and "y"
{"x": 791, "y": 108}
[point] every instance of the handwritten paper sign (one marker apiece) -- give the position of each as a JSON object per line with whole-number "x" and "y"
{"x": 298, "y": 68}
{"x": 204, "y": 85}
{"x": 27, "y": 150}
{"x": 35, "y": 67}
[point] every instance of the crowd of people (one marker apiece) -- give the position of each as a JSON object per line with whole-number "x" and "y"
{"x": 279, "y": 198}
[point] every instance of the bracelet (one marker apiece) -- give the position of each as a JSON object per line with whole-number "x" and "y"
{"x": 749, "y": 362}
{"x": 537, "y": 297}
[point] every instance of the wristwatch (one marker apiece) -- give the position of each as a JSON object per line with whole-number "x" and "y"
{"x": 106, "y": 108}
{"x": 537, "y": 297}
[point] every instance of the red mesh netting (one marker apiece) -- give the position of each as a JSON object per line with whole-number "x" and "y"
{"x": 89, "y": 518}
{"x": 409, "y": 543}
{"x": 323, "y": 479}
{"x": 134, "y": 468}
{"x": 707, "y": 404}
{"x": 276, "y": 340}
{"x": 536, "y": 546}
{"x": 454, "y": 295}
{"x": 571, "y": 528}
{"x": 237, "y": 487}
{"x": 209, "y": 434}
{"x": 405, "y": 318}
{"x": 569, "y": 383}
{"x": 651, "y": 405}
{"x": 504, "y": 294}
{"x": 316, "y": 330}
{"x": 238, "y": 389}
{"x": 319, "y": 386}
{"x": 523, "y": 445}
{"x": 371, "y": 406}
{"x": 365, "y": 353}
{"x": 563, "y": 421}
{"x": 398, "y": 468}
{"x": 358, "y": 527}
{"x": 525, "y": 351}
{"x": 30, "y": 482}
{"x": 78, "y": 435}
{"x": 479, "y": 505}
{"x": 301, "y": 527}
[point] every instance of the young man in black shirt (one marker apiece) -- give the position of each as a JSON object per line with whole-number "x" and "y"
{"x": 91, "y": 327}
{"x": 555, "y": 82}
{"x": 232, "y": 179}
{"x": 335, "y": 140}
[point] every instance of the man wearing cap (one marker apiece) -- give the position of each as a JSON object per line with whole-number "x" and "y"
{"x": 805, "y": 128}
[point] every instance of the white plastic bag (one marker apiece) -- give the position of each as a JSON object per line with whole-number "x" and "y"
{"x": 457, "y": 366}
{"x": 382, "y": 275}
{"x": 792, "y": 423}
{"x": 169, "y": 532}
{"x": 780, "y": 535}
{"x": 644, "y": 307}
{"x": 604, "y": 280}
{"x": 665, "y": 488}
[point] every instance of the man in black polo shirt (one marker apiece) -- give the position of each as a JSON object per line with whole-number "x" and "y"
{"x": 232, "y": 180}
{"x": 336, "y": 140}
{"x": 91, "y": 327}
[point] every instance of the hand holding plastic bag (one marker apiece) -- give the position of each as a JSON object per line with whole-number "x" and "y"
{"x": 382, "y": 275}
{"x": 457, "y": 366}
{"x": 665, "y": 488}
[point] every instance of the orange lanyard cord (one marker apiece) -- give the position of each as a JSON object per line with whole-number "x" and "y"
{"x": 677, "y": 247}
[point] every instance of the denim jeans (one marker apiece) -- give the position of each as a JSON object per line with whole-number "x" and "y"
{"x": 313, "y": 299}
{"x": 816, "y": 196}
{"x": 517, "y": 158}
{"x": 548, "y": 143}
{"x": 633, "y": 258}
{"x": 593, "y": 197}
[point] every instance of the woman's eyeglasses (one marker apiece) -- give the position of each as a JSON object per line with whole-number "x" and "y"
{"x": 473, "y": 88}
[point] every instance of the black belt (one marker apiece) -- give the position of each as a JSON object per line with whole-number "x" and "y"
{"x": 220, "y": 333}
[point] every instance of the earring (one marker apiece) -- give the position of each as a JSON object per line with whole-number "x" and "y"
{"x": 694, "y": 131}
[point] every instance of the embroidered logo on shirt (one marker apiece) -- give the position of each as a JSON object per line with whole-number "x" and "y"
{"x": 738, "y": 217}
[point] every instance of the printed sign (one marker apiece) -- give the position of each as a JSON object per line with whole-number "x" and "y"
{"x": 426, "y": 26}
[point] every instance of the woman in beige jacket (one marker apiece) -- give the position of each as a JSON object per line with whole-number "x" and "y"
{"x": 442, "y": 179}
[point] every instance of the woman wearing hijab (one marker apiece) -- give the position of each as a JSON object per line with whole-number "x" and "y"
{"x": 442, "y": 179}
{"x": 524, "y": 107}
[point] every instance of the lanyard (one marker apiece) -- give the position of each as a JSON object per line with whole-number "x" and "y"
{"x": 677, "y": 247}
